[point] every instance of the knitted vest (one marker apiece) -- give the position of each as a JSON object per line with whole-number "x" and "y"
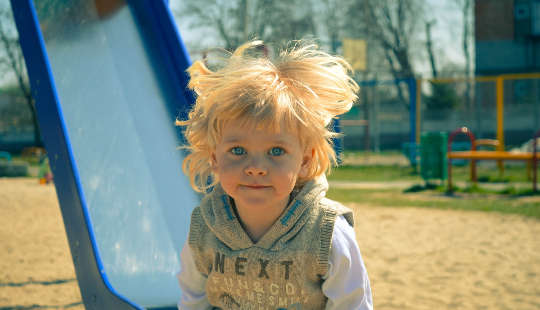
{"x": 283, "y": 270}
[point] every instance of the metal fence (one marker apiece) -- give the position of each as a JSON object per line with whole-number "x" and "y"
{"x": 504, "y": 107}
{"x": 16, "y": 126}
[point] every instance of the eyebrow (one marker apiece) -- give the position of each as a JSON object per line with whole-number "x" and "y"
{"x": 233, "y": 140}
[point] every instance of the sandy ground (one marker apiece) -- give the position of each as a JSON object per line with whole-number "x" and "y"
{"x": 35, "y": 263}
{"x": 416, "y": 258}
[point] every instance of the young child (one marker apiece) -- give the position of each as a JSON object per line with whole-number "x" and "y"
{"x": 265, "y": 236}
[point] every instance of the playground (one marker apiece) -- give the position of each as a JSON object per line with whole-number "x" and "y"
{"x": 126, "y": 206}
{"x": 418, "y": 258}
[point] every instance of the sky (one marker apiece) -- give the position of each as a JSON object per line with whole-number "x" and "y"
{"x": 447, "y": 28}
{"x": 445, "y": 31}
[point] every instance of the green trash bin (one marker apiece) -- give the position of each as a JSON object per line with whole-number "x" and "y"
{"x": 433, "y": 160}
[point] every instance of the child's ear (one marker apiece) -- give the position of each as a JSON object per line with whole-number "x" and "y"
{"x": 306, "y": 163}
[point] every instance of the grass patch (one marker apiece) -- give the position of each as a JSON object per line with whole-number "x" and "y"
{"x": 510, "y": 190}
{"x": 353, "y": 154}
{"x": 379, "y": 173}
{"x": 375, "y": 173}
{"x": 434, "y": 198}
{"x": 505, "y": 198}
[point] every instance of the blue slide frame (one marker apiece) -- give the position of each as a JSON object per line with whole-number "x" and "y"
{"x": 96, "y": 291}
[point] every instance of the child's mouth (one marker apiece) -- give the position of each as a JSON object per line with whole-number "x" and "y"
{"x": 256, "y": 186}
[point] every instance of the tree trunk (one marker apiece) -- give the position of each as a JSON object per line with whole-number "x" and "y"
{"x": 429, "y": 47}
{"x": 397, "y": 75}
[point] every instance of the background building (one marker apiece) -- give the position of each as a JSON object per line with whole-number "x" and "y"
{"x": 507, "y": 35}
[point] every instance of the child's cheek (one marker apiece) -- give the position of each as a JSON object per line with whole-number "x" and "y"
{"x": 231, "y": 165}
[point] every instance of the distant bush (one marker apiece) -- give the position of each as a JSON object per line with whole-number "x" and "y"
{"x": 443, "y": 97}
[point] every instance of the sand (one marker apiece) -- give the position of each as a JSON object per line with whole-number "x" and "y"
{"x": 437, "y": 259}
{"x": 35, "y": 263}
{"x": 416, "y": 258}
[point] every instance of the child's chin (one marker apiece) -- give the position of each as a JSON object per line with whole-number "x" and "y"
{"x": 258, "y": 201}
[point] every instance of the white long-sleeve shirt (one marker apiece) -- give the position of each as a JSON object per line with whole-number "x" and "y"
{"x": 346, "y": 285}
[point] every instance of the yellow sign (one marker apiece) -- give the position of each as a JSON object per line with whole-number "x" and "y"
{"x": 354, "y": 51}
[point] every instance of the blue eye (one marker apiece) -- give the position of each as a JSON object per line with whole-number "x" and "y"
{"x": 237, "y": 150}
{"x": 276, "y": 151}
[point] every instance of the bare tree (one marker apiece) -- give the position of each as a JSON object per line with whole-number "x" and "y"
{"x": 393, "y": 25}
{"x": 331, "y": 13}
{"x": 11, "y": 61}
{"x": 467, "y": 40}
{"x": 236, "y": 21}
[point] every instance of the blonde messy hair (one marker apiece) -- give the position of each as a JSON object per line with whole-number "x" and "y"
{"x": 303, "y": 88}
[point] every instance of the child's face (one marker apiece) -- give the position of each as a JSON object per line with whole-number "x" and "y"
{"x": 259, "y": 168}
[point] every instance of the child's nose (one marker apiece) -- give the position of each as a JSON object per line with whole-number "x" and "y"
{"x": 255, "y": 168}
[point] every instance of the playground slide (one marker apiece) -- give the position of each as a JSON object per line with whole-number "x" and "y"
{"x": 109, "y": 81}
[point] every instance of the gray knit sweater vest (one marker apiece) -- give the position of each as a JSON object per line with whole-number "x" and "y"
{"x": 284, "y": 269}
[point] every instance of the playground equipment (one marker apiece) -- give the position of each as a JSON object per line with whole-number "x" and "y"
{"x": 109, "y": 81}
{"x": 499, "y": 98}
{"x": 492, "y": 98}
{"x": 474, "y": 155}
